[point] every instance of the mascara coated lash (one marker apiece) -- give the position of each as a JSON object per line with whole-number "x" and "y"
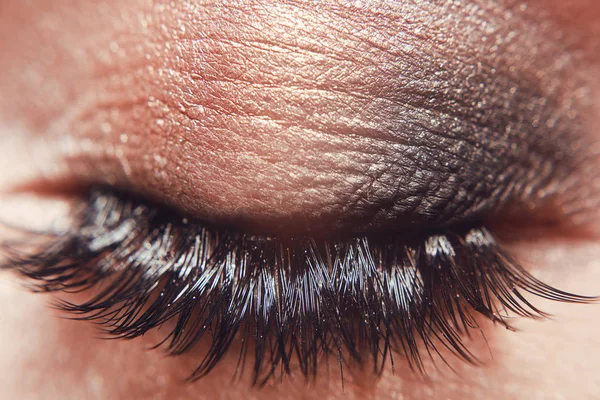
{"x": 292, "y": 303}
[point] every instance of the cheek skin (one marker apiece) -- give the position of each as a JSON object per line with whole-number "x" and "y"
{"x": 45, "y": 356}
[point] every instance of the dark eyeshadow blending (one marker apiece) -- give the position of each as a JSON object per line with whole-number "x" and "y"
{"x": 291, "y": 303}
{"x": 368, "y": 118}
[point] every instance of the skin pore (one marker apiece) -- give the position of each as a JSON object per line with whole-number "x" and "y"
{"x": 292, "y": 115}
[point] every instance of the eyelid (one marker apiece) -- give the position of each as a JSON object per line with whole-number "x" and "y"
{"x": 413, "y": 177}
{"x": 366, "y": 130}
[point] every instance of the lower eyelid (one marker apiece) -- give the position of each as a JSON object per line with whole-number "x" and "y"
{"x": 306, "y": 297}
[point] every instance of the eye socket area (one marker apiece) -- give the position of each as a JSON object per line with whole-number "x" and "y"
{"x": 108, "y": 173}
{"x": 302, "y": 137}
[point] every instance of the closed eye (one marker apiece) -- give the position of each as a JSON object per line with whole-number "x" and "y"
{"x": 309, "y": 196}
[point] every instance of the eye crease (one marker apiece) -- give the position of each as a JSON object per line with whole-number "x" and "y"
{"x": 297, "y": 195}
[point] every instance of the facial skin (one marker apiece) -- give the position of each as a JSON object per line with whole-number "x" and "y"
{"x": 298, "y": 117}
{"x": 291, "y": 116}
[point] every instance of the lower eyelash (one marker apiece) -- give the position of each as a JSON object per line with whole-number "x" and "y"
{"x": 300, "y": 299}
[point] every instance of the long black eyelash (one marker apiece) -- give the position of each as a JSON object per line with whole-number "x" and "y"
{"x": 293, "y": 302}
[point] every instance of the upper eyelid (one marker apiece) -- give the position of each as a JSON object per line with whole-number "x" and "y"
{"x": 414, "y": 148}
